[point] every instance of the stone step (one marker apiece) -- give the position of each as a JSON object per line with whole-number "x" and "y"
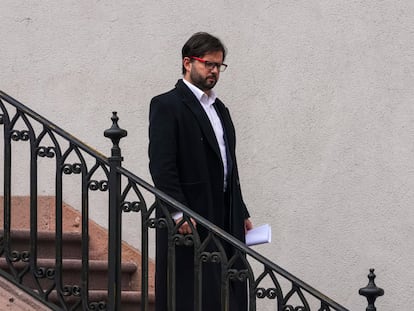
{"x": 130, "y": 300}
{"x": 72, "y": 271}
{"x": 46, "y": 243}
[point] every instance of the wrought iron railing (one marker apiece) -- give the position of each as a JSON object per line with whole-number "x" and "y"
{"x": 69, "y": 156}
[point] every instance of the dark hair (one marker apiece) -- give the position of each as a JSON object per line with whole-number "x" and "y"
{"x": 200, "y": 44}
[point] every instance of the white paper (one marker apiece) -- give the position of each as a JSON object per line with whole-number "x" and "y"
{"x": 259, "y": 235}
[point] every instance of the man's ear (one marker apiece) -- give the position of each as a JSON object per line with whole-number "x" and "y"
{"x": 187, "y": 63}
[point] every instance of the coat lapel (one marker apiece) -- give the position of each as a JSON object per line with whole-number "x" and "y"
{"x": 227, "y": 125}
{"x": 229, "y": 136}
{"x": 192, "y": 102}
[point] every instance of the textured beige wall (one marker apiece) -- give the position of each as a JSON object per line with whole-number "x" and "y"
{"x": 321, "y": 93}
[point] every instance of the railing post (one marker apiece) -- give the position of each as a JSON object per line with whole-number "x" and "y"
{"x": 115, "y": 133}
{"x": 371, "y": 291}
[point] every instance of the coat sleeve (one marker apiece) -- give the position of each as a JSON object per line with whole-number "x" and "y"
{"x": 163, "y": 148}
{"x": 236, "y": 182}
{"x": 245, "y": 211}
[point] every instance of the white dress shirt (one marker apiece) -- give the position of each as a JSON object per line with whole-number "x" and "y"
{"x": 207, "y": 104}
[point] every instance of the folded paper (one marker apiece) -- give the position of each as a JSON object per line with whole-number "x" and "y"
{"x": 259, "y": 235}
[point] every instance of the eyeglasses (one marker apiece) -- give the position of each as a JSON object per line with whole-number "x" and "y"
{"x": 211, "y": 65}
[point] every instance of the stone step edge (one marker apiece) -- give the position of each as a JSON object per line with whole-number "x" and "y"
{"x": 74, "y": 264}
{"x": 24, "y": 234}
{"x": 96, "y": 295}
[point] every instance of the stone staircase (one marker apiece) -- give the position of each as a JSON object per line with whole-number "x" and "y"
{"x": 72, "y": 263}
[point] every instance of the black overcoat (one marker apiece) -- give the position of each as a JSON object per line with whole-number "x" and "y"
{"x": 185, "y": 163}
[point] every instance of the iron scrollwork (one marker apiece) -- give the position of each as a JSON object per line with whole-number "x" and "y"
{"x": 131, "y": 206}
{"x": 95, "y": 185}
{"x": 324, "y": 307}
{"x": 75, "y": 168}
{"x": 183, "y": 240}
{"x": 292, "y": 308}
{"x": 16, "y": 256}
{"x": 46, "y": 152}
{"x": 214, "y": 257}
{"x": 160, "y": 223}
{"x": 239, "y": 275}
{"x": 71, "y": 290}
{"x": 19, "y": 135}
{"x": 270, "y": 293}
{"x": 100, "y": 305}
{"x": 45, "y": 273}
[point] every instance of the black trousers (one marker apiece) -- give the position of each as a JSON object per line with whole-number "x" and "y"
{"x": 212, "y": 276}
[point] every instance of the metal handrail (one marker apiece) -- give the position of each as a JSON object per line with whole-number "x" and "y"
{"x": 114, "y": 172}
{"x": 230, "y": 239}
{"x": 81, "y": 145}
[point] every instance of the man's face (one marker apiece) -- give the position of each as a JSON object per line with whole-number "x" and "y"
{"x": 198, "y": 74}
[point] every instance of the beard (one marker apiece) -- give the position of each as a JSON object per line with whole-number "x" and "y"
{"x": 203, "y": 83}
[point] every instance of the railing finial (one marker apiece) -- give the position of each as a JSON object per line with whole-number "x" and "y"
{"x": 371, "y": 291}
{"x": 115, "y": 133}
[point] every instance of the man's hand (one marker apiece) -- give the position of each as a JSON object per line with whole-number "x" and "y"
{"x": 185, "y": 228}
{"x": 248, "y": 225}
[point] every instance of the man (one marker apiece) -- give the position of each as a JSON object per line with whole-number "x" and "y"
{"x": 192, "y": 159}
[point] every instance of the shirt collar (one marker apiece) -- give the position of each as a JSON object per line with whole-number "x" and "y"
{"x": 202, "y": 97}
